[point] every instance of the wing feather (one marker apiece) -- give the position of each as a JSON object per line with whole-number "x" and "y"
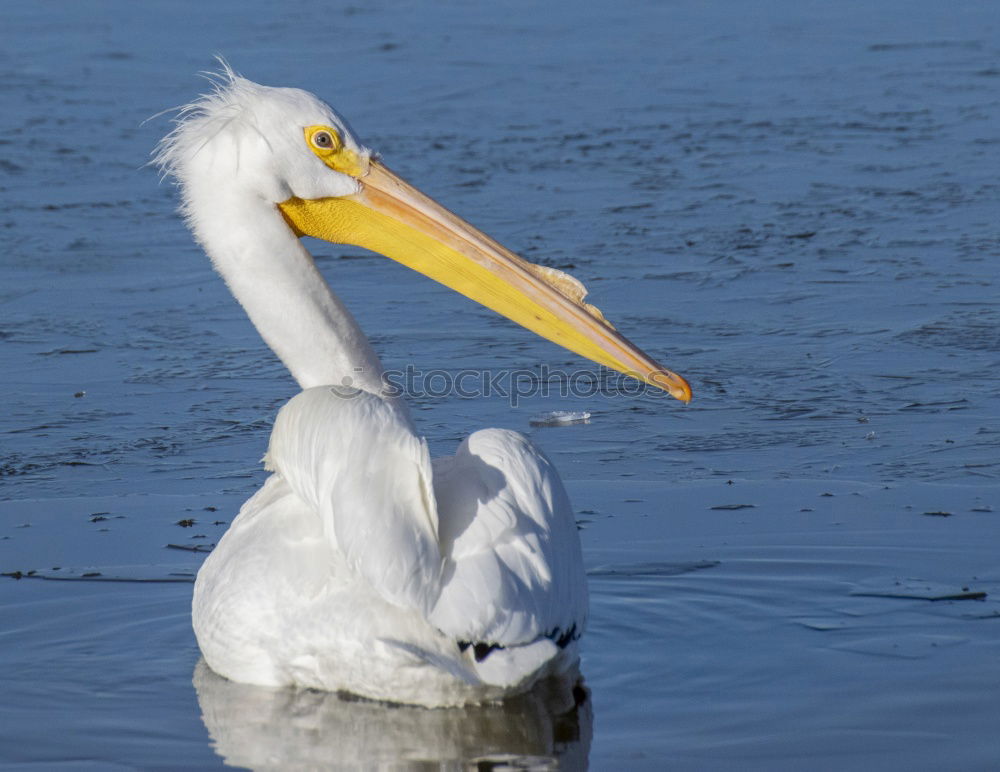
{"x": 483, "y": 544}
{"x": 513, "y": 571}
{"x": 355, "y": 460}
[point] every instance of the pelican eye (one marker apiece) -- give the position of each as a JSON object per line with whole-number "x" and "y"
{"x": 322, "y": 139}
{"x": 328, "y": 145}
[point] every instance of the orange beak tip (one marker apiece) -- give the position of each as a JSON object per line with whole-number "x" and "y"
{"x": 673, "y": 384}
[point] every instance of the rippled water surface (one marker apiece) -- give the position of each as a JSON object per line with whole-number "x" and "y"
{"x": 794, "y": 204}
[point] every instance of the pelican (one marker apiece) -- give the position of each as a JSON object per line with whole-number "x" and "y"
{"x": 362, "y": 565}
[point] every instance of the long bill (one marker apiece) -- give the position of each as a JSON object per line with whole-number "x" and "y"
{"x": 391, "y": 217}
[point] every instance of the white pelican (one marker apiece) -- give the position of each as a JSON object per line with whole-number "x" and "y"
{"x": 361, "y": 565}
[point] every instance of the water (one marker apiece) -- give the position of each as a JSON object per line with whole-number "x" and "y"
{"x": 791, "y": 203}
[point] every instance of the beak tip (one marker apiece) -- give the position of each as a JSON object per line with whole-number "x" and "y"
{"x": 673, "y": 384}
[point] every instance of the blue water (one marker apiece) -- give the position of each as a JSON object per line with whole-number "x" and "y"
{"x": 794, "y": 204}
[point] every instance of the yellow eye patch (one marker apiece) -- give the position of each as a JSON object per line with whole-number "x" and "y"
{"x": 327, "y": 144}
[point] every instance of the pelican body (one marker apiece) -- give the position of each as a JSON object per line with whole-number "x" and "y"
{"x": 362, "y": 565}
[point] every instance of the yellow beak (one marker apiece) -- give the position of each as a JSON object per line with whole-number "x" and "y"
{"x": 393, "y": 218}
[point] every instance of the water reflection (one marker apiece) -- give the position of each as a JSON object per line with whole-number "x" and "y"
{"x": 293, "y": 728}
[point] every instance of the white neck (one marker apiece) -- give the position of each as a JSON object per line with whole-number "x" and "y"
{"x": 276, "y": 281}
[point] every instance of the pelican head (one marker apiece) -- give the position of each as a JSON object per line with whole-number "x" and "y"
{"x": 260, "y": 166}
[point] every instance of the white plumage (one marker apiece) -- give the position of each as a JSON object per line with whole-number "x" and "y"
{"x": 361, "y": 565}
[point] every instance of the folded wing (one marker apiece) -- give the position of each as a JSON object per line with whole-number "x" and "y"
{"x": 483, "y": 544}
